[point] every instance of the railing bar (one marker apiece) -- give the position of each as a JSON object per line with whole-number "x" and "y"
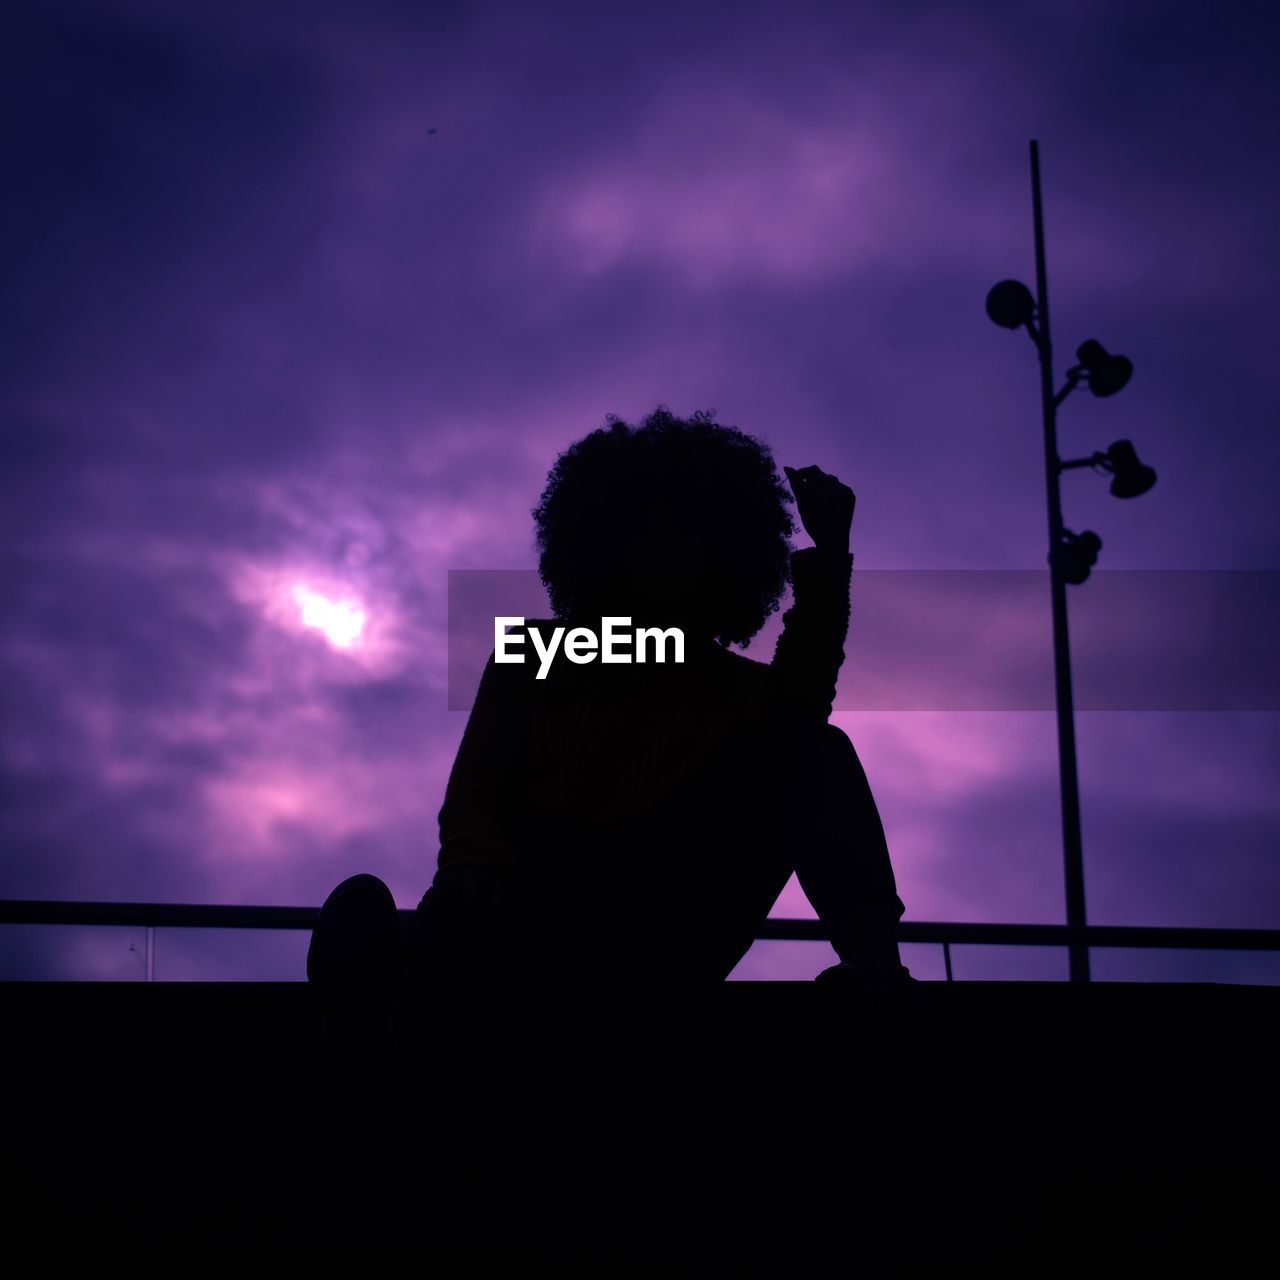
{"x": 946, "y": 959}
{"x": 219, "y": 916}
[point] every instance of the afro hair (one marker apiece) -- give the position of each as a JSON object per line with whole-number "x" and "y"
{"x": 708, "y": 486}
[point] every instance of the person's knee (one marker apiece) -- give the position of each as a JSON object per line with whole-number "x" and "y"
{"x": 822, "y": 742}
{"x": 357, "y": 935}
{"x": 362, "y": 880}
{"x": 358, "y": 897}
{"x": 823, "y": 762}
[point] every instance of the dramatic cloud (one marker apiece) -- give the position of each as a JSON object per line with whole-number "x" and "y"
{"x": 304, "y": 301}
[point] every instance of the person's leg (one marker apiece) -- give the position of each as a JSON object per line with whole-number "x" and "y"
{"x": 355, "y": 965}
{"x": 840, "y": 852}
{"x": 463, "y": 931}
{"x": 684, "y": 894}
{"x": 476, "y": 951}
{"x": 799, "y": 802}
{"x": 718, "y": 862}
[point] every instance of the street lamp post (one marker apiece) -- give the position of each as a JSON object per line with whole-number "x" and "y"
{"x": 1071, "y": 555}
{"x": 1068, "y": 777}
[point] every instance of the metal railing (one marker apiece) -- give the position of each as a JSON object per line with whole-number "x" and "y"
{"x": 154, "y": 915}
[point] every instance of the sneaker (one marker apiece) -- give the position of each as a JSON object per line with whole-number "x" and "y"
{"x": 851, "y": 976}
{"x": 355, "y": 964}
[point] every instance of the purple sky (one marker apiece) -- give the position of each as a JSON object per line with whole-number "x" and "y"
{"x": 264, "y": 330}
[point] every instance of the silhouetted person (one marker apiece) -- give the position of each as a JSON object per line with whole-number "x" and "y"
{"x": 639, "y": 820}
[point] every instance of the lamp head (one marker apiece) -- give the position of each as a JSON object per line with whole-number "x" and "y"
{"x": 1076, "y": 554}
{"x": 1107, "y": 373}
{"x": 1010, "y": 304}
{"x": 1130, "y": 477}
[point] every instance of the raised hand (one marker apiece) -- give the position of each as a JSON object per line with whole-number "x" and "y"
{"x": 825, "y": 506}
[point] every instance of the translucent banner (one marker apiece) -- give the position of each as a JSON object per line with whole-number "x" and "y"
{"x": 981, "y": 640}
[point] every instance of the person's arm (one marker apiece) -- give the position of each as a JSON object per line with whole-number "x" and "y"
{"x": 810, "y": 651}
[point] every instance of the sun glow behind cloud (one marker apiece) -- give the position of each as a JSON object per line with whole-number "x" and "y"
{"x": 321, "y": 625}
{"x": 341, "y": 621}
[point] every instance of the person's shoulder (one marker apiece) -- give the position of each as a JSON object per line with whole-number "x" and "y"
{"x": 524, "y": 624}
{"x": 519, "y": 658}
{"x": 511, "y": 625}
{"x": 521, "y": 627}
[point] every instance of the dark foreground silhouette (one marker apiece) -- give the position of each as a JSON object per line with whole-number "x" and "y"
{"x": 638, "y": 821}
{"x": 990, "y": 1126}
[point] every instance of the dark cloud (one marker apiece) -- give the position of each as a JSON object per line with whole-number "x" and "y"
{"x": 265, "y": 330}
